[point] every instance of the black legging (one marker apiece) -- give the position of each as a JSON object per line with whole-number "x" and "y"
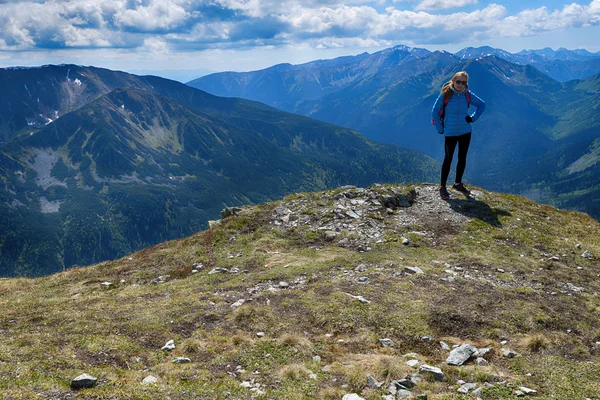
{"x": 449, "y": 146}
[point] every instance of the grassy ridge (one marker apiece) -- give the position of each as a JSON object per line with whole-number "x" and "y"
{"x": 518, "y": 272}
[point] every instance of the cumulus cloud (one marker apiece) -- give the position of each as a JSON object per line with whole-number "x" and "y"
{"x": 443, "y": 4}
{"x": 158, "y": 15}
{"x": 165, "y": 25}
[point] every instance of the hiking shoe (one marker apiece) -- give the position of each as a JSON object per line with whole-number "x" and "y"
{"x": 461, "y": 188}
{"x": 444, "y": 193}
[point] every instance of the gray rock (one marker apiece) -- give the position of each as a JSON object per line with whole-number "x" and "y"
{"x": 412, "y": 363}
{"x": 84, "y": 381}
{"x": 229, "y": 212}
{"x": 284, "y": 285}
{"x": 481, "y": 361}
{"x": 386, "y": 342}
{"x": 217, "y": 270}
{"x": 437, "y": 373}
{"x": 352, "y": 214}
{"x": 466, "y": 388}
{"x": 352, "y": 396}
{"x": 330, "y": 235}
{"x": 395, "y": 386}
{"x": 281, "y": 211}
{"x": 404, "y": 201}
{"x": 413, "y": 270}
{"x": 508, "y": 353}
{"x": 181, "y": 360}
{"x": 526, "y": 390}
{"x": 373, "y": 383}
{"x": 169, "y": 346}
{"x": 444, "y": 346}
{"x": 586, "y": 254}
{"x": 359, "y": 298}
{"x": 403, "y": 384}
{"x": 482, "y": 351}
{"x": 404, "y": 394}
{"x": 238, "y": 303}
{"x": 361, "y": 268}
{"x": 461, "y": 354}
{"x": 149, "y": 380}
{"x": 426, "y": 339}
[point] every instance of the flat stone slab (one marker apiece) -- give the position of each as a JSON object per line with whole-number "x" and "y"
{"x": 461, "y": 354}
{"x": 84, "y": 381}
{"x": 438, "y": 375}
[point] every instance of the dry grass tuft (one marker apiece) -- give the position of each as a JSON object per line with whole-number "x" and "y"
{"x": 241, "y": 340}
{"x": 251, "y": 317}
{"x": 192, "y": 346}
{"x": 389, "y": 368}
{"x": 294, "y": 372}
{"x": 331, "y": 393}
{"x": 536, "y": 343}
{"x": 295, "y": 340}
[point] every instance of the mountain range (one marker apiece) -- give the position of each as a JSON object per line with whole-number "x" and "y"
{"x": 96, "y": 163}
{"x": 538, "y": 137}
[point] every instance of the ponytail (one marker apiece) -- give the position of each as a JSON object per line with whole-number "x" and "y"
{"x": 446, "y": 89}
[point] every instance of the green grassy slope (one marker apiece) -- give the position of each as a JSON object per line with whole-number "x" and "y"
{"x": 519, "y": 281}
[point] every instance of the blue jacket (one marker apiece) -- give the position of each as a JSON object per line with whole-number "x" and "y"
{"x": 456, "y": 111}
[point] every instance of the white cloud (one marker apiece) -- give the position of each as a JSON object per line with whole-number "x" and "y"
{"x": 158, "y": 15}
{"x": 531, "y": 22}
{"x": 323, "y": 19}
{"x": 428, "y": 5}
{"x": 169, "y": 25}
{"x": 155, "y": 46}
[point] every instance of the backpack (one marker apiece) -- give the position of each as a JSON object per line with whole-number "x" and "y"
{"x": 446, "y": 100}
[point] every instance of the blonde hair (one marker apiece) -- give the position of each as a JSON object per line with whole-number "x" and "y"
{"x": 447, "y": 90}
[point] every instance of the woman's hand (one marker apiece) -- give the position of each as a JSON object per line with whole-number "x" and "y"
{"x": 468, "y": 119}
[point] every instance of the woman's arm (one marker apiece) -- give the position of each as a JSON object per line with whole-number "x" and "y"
{"x": 435, "y": 114}
{"x": 480, "y": 104}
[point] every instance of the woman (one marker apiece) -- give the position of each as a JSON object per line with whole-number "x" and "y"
{"x": 451, "y": 117}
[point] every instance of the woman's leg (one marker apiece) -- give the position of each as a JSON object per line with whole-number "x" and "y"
{"x": 463, "y": 148}
{"x": 449, "y": 146}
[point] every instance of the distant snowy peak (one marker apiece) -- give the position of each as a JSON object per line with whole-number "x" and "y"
{"x": 478, "y": 52}
{"x": 547, "y": 54}
{"x": 416, "y": 51}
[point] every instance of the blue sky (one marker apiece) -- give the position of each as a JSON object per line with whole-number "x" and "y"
{"x": 243, "y": 35}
